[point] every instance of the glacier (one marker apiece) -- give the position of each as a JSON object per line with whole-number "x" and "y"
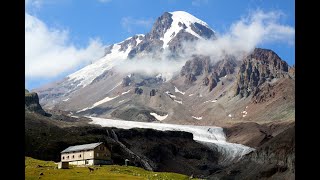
{"x": 210, "y": 136}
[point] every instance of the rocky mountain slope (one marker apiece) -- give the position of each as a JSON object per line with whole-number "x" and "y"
{"x": 167, "y": 151}
{"x": 258, "y": 87}
{"x": 273, "y": 160}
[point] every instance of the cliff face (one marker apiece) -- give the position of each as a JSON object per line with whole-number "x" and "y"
{"x": 260, "y": 66}
{"x": 292, "y": 71}
{"x": 212, "y": 72}
{"x": 32, "y": 103}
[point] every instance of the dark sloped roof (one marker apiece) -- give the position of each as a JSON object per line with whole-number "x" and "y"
{"x": 81, "y": 147}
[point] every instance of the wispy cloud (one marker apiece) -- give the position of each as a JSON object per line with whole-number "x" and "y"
{"x": 33, "y": 3}
{"x": 49, "y": 52}
{"x": 104, "y": 1}
{"x": 256, "y": 29}
{"x": 199, "y": 2}
{"x": 128, "y": 23}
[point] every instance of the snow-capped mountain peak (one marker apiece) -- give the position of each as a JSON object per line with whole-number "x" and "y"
{"x": 182, "y": 20}
{"x": 187, "y": 18}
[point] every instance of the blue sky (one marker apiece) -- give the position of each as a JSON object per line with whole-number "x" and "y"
{"x": 85, "y": 26}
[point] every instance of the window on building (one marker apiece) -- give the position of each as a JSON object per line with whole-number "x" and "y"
{"x": 97, "y": 154}
{"x": 72, "y": 156}
{"x": 62, "y": 157}
{"x": 80, "y": 155}
{"x": 67, "y": 157}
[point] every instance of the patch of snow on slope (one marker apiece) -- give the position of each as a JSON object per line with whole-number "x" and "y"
{"x": 198, "y": 118}
{"x": 211, "y": 101}
{"x": 158, "y": 117}
{"x": 184, "y": 18}
{"x": 178, "y": 91}
{"x": 138, "y": 40}
{"x": 114, "y": 87}
{"x": 180, "y": 102}
{"x": 170, "y": 94}
{"x": 207, "y": 135}
{"x": 103, "y": 100}
{"x": 125, "y": 92}
{"x": 84, "y": 109}
{"x": 121, "y": 101}
{"x": 106, "y": 99}
{"x": 244, "y": 113}
{"x": 66, "y": 99}
{"x": 191, "y": 94}
{"x": 87, "y": 74}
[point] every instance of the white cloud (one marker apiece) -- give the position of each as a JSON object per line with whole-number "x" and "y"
{"x": 150, "y": 65}
{"x": 244, "y": 35}
{"x": 199, "y": 2}
{"x": 33, "y": 3}
{"x": 128, "y": 23}
{"x": 104, "y": 1}
{"x": 48, "y": 52}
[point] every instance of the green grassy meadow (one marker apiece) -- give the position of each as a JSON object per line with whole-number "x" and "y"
{"x": 50, "y": 171}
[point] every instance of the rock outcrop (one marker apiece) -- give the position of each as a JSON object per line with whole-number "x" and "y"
{"x": 153, "y": 92}
{"x": 126, "y": 81}
{"x": 32, "y": 103}
{"x": 212, "y": 72}
{"x": 292, "y": 72}
{"x": 138, "y": 90}
{"x": 260, "y": 66}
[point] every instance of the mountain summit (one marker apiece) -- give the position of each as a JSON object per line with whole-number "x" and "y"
{"x": 174, "y": 24}
{"x": 202, "y": 91}
{"x": 170, "y": 30}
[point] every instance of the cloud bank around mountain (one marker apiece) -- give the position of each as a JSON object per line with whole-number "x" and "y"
{"x": 49, "y": 52}
{"x": 257, "y": 29}
{"x": 243, "y": 36}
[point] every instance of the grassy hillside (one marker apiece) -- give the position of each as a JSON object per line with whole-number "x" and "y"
{"x": 35, "y": 167}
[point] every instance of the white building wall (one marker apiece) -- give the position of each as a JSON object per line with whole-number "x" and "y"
{"x": 91, "y": 162}
{"x": 77, "y": 162}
